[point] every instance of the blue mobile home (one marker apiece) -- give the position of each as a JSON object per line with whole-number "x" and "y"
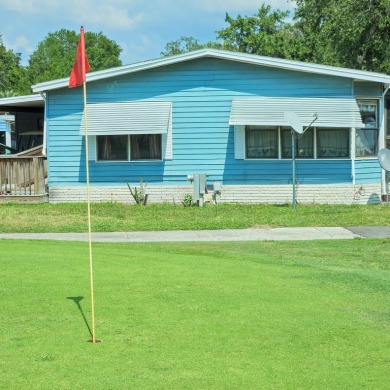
{"x": 222, "y": 114}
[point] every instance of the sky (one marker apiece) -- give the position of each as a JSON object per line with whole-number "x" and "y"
{"x": 141, "y": 27}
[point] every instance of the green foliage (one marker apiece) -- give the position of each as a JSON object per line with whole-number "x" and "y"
{"x": 350, "y": 33}
{"x": 55, "y": 55}
{"x": 116, "y": 217}
{"x": 139, "y": 194}
{"x": 187, "y": 201}
{"x": 13, "y": 76}
{"x": 187, "y": 44}
{"x": 254, "y": 315}
{"x": 7, "y": 93}
{"x": 54, "y": 58}
{"x": 102, "y": 52}
{"x": 265, "y": 33}
{"x": 182, "y": 45}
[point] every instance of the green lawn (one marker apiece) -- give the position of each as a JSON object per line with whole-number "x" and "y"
{"x": 108, "y": 217}
{"x": 256, "y": 315}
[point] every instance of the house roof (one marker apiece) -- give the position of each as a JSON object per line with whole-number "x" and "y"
{"x": 31, "y": 101}
{"x": 224, "y": 55}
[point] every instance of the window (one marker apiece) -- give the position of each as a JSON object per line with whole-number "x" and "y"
{"x": 332, "y": 143}
{"x": 387, "y": 122}
{"x": 129, "y": 147}
{"x": 145, "y": 147}
{"x": 267, "y": 142}
{"x": 367, "y": 137}
{"x": 387, "y": 111}
{"x": 112, "y": 148}
{"x": 261, "y": 142}
{"x": 303, "y": 144}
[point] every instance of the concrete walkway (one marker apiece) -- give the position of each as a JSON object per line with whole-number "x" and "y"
{"x": 257, "y": 234}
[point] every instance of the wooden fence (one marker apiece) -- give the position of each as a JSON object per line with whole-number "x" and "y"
{"x": 22, "y": 175}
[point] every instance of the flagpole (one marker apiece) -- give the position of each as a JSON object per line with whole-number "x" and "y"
{"x": 81, "y": 59}
{"x": 89, "y": 212}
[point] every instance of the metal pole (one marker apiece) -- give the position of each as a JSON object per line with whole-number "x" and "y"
{"x": 89, "y": 215}
{"x": 294, "y": 201}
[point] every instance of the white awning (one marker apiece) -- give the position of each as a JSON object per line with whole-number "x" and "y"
{"x": 332, "y": 112}
{"x": 121, "y": 118}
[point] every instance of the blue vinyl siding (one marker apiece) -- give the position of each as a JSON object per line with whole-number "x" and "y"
{"x": 307, "y": 172}
{"x": 201, "y": 92}
{"x": 367, "y": 171}
{"x": 367, "y": 89}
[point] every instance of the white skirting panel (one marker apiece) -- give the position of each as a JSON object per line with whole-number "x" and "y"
{"x": 273, "y": 194}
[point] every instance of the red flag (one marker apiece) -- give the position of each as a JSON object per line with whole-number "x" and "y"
{"x": 81, "y": 65}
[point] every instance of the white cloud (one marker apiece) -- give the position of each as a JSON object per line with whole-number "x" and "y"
{"x": 145, "y": 26}
{"x": 137, "y": 50}
{"x": 21, "y": 43}
{"x": 240, "y": 6}
{"x": 111, "y": 13}
{"x": 107, "y": 15}
{"x": 129, "y": 14}
{"x": 20, "y": 6}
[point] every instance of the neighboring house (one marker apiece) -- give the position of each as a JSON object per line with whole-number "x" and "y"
{"x": 26, "y": 113}
{"x": 222, "y": 114}
{"x": 22, "y": 161}
{"x": 4, "y": 137}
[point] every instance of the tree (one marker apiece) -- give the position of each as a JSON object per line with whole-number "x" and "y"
{"x": 13, "y": 77}
{"x": 265, "y": 33}
{"x": 187, "y": 44}
{"x": 350, "y": 33}
{"x": 55, "y": 55}
{"x": 182, "y": 45}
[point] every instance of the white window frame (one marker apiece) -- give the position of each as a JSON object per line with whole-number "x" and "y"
{"x": 93, "y": 151}
{"x": 376, "y": 128}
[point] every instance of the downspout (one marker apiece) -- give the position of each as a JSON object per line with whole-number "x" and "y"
{"x": 44, "y": 125}
{"x": 386, "y": 90}
{"x": 383, "y": 112}
{"x": 382, "y": 143}
{"x": 353, "y": 153}
{"x": 353, "y": 142}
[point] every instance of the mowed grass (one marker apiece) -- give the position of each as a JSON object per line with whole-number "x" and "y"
{"x": 109, "y": 217}
{"x": 254, "y": 315}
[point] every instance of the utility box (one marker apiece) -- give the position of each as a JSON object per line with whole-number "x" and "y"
{"x": 217, "y": 188}
{"x": 199, "y": 183}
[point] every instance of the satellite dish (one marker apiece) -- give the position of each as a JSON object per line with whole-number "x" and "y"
{"x": 384, "y": 159}
{"x": 294, "y": 121}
